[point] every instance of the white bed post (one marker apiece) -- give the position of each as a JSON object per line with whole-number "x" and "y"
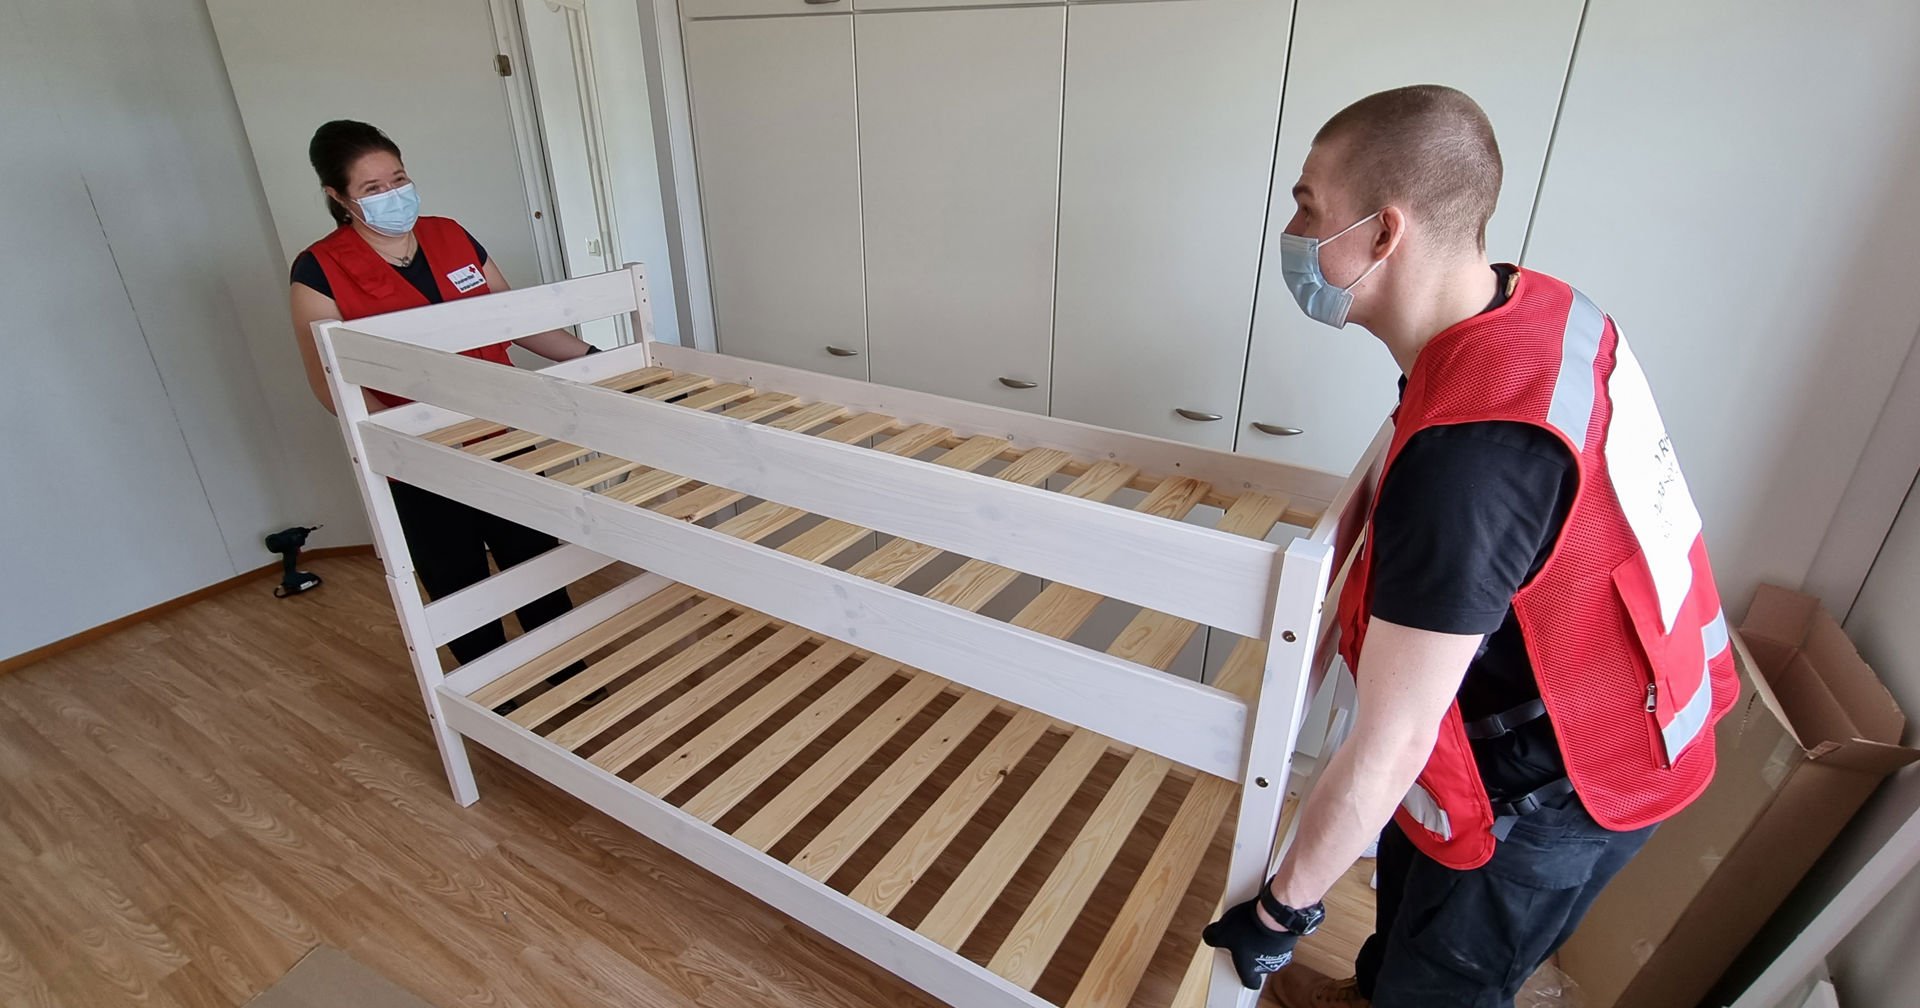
{"x": 1273, "y": 721}
{"x": 642, "y": 318}
{"x": 375, "y": 490}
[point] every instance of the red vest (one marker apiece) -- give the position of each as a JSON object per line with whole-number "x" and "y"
{"x": 366, "y": 284}
{"x": 1623, "y": 622}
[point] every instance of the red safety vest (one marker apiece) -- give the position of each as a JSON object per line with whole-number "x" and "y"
{"x": 366, "y": 284}
{"x": 1623, "y": 623}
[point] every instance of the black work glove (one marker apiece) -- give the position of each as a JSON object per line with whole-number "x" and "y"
{"x": 1257, "y": 949}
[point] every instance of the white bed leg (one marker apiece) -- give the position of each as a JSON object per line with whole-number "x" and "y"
{"x": 426, "y": 668}
{"x": 1274, "y": 719}
{"x": 391, "y": 544}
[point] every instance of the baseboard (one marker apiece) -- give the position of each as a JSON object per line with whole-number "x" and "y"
{"x": 87, "y": 636}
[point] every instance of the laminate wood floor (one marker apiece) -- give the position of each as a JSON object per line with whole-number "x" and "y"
{"x": 190, "y": 805}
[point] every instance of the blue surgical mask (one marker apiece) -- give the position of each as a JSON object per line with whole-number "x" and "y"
{"x": 392, "y": 213}
{"x": 1300, "y": 267}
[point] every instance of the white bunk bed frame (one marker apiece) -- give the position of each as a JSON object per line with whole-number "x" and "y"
{"x": 622, "y": 455}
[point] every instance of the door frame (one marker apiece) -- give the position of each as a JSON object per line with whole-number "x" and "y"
{"x": 673, "y": 109}
{"x": 1881, "y": 482}
{"x": 522, "y": 113}
{"x": 666, "y": 74}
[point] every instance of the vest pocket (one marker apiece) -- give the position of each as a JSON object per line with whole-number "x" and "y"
{"x": 1673, "y": 662}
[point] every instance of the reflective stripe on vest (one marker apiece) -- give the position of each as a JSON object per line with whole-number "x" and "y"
{"x": 1426, "y": 810}
{"x": 1572, "y": 408}
{"x": 1691, "y": 718}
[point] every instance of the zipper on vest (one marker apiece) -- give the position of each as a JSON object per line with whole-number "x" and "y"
{"x": 1653, "y": 698}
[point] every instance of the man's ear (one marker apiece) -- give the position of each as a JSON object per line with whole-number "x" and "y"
{"x": 1391, "y": 231}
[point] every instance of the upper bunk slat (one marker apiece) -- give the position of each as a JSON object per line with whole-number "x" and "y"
{"x": 1195, "y": 725}
{"x": 1196, "y": 573}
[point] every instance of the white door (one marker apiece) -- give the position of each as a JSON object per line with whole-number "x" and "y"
{"x": 1335, "y": 388}
{"x": 1167, "y": 154}
{"x": 573, "y": 137}
{"x": 422, "y": 71}
{"x": 776, "y": 144}
{"x": 959, "y": 164}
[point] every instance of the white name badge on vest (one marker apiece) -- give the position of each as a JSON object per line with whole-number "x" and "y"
{"x": 1647, "y": 480}
{"x": 467, "y": 278}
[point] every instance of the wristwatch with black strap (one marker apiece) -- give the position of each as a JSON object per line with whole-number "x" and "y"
{"x": 1299, "y": 920}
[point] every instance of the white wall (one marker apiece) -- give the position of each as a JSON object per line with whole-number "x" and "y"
{"x": 1876, "y": 967}
{"x": 1733, "y": 182}
{"x": 159, "y": 421}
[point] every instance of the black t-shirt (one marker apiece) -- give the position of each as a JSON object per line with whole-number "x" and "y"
{"x": 1468, "y": 515}
{"x": 306, "y": 270}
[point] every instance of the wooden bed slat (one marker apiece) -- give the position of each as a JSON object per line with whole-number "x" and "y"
{"x": 901, "y": 867}
{"x": 554, "y": 453}
{"x": 829, "y": 849}
{"x": 628, "y": 657}
{"x": 693, "y": 756}
{"x": 955, "y": 916}
{"x": 620, "y": 753}
{"x": 979, "y": 885}
{"x": 503, "y": 444}
{"x": 1058, "y": 611}
{"x": 593, "y": 471}
{"x": 810, "y": 416}
{"x": 697, "y": 504}
{"x": 643, "y": 487}
{"x": 600, "y": 673}
{"x": 1127, "y": 949}
{"x": 709, "y": 646}
{"x": 515, "y": 682}
{"x": 760, "y": 406}
{"x": 1192, "y": 992}
{"x": 818, "y": 780}
{"x": 1024, "y": 955}
{"x": 739, "y": 780}
{"x": 818, "y": 544}
{"x": 890, "y": 565}
{"x": 627, "y": 381}
{"x": 679, "y": 386}
{"x": 719, "y": 395}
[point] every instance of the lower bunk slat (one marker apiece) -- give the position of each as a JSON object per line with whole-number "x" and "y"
{"x": 1124, "y": 954}
{"x": 894, "y": 948}
{"x": 695, "y": 713}
{"x": 919, "y": 789}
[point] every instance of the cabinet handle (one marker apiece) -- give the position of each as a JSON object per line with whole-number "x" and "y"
{"x": 1276, "y": 430}
{"x": 840, "y": 351}
{"x": 822, "y": 1}
{"x": 1198, "y": 416}
{"x": 1017, "y": 383}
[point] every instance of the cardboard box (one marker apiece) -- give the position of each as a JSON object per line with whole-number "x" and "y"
{"x": 329, "y": 978}
{"x": 1813, "y": 734}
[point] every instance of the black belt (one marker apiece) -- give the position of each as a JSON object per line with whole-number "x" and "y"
{"x": 1496, "y": 725}
{"x": 1532, "y": 801}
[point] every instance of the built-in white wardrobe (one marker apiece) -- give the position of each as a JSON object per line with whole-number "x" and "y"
{"x": 1064, "y": 207}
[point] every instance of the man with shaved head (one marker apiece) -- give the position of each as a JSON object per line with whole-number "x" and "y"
{"x": 1533, "y": 625}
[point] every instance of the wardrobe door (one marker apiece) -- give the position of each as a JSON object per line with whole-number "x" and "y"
{"x": 778, "y": 159}
{"x": 959, "y": 166}
{"x": 1166, "y": 157}
{"x": 1315, "y": 396}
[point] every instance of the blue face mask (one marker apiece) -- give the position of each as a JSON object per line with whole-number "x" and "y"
{"x": 392, "y": 213}
{"x": 1300, "y": 268}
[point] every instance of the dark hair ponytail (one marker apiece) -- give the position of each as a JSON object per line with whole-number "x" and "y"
{"x": 334, "y": 149}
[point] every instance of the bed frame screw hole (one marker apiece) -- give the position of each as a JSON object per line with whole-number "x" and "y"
{"x": 1260, "y": 781}
{"x": 1287, "y": 635}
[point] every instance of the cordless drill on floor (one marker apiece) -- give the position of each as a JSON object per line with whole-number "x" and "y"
{"x": 287, "y": 543}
